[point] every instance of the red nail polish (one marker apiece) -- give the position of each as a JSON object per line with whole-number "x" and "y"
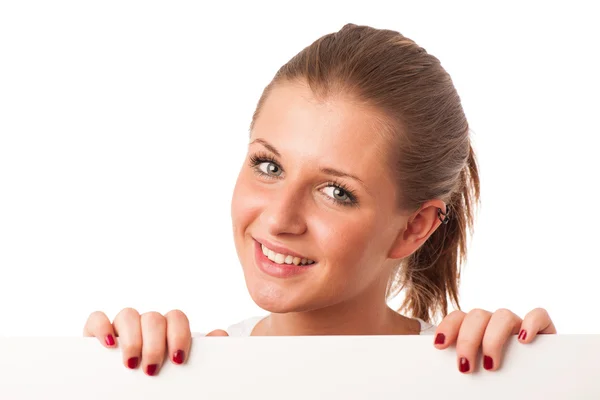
{"x": 440, "y": 338}
{"x": 488, "y": 363}
{"x": 110, "y": 341}
{"x": 464, "y": 365}
{"x": 151, "y": 369}
{"x": 523, "y": 334}
{"x": 132, "y": 362}
{"x": 178, "y": 357}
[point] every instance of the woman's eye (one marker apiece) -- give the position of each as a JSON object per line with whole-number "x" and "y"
{"x": 269, "y": 168}
{"x": 337, "y": 193}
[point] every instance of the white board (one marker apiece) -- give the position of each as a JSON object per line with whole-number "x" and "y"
{"x": 332, "y": 367}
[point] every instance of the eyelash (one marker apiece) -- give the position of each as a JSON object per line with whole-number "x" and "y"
{"x": 259, "y": 158}
{"x": 349, "y": 192}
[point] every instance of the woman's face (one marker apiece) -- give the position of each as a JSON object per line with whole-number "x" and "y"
{"x": 316, "y": 195}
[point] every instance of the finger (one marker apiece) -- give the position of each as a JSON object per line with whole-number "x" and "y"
{"x": 218, "y": 332}
{"x": 179, "y": 336}
{"x": 127, "y": 326}
{"x": 537, "y": 321}
{"x": 470, "y": 337}
{"x": 502, "y": 325}
{"x": 99, "y": 325}
{"x": 447, "y": 331}
{"x": 154, "y": 338}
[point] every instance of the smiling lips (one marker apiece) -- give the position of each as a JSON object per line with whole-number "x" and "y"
{"x": 286, "y": 264}
{"x": 284, "y": 258}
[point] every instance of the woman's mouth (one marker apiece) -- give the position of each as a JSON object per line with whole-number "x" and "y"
{"x": 280, "y": 265}
{"x": 284, "y": 258}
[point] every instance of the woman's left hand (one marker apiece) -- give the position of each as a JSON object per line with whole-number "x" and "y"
{"x": 480, "y": 328}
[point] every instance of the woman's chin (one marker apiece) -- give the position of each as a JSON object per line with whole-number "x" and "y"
{"x": 271, "y": 299}
{"x": 274, "y": 299}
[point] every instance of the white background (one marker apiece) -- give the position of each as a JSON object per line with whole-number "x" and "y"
{"x": 123, "y": 126}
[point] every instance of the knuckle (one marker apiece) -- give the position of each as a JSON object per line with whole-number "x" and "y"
{"x": 153, "y": 315}
{"x": 479, "y": 313}
{"x": 96, "y": 315}
{"x": 542, "y": 311}
{"x": 504, "y": 314}
{"x": 538, "y": 313}
{"x": 456, "y": 314}
{"x": 153, "y": 318}
{"x": 128, "y": 313}
{"x": 176, "y": 314}
{"x": 96, "y": 324}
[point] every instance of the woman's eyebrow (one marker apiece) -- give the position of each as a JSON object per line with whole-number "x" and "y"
{"x": 269, "y": 146}
{"x": 325, "y": 170}
{"x": 341, "y": 174}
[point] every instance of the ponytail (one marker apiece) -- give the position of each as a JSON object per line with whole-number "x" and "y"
{"x": 431, "y": 275}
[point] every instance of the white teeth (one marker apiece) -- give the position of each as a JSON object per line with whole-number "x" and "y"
{"x": 284, "y": 259}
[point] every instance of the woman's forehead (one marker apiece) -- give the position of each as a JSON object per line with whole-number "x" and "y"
{"x": 292, "y": 119}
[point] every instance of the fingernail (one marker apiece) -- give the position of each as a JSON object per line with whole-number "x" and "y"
{"x": 488, "y": 363}
{"x": 132, "y": 362}
{"x": 464, "y": 365}
{"x": 151, "y": 369}
{"x": 523, "y": 334}
{"x": 110, "y": 340}
{"x": 440, "y": 338}
{"x": 178, "y": 357}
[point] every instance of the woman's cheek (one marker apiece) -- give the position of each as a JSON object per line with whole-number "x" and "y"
{"x": 344, "y": 242}
{"x": 246, "y": 203}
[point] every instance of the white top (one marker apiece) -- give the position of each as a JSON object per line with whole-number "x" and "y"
{"x": 245, "y": 327}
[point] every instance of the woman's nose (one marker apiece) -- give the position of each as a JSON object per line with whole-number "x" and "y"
{"x": 284, "y": 213}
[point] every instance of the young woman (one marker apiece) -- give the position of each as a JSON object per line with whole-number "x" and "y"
{"x": 360, "y": 181}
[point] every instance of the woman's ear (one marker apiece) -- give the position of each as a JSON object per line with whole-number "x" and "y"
{"x": 419, "y": 226}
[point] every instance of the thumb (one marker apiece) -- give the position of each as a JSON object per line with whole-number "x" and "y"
{"x": 218, "y": 332}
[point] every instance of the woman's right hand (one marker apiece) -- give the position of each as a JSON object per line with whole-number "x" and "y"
{"x": 146, "y": 338}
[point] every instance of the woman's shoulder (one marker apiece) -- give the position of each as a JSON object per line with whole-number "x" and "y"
{"x": 426, "y": 327}
{"x": 245, "y": 327}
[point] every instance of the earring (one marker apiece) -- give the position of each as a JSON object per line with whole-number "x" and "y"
{"x": 446, "y": 215}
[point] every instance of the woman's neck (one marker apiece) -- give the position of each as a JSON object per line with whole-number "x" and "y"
{"x": 348, "y": 318}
